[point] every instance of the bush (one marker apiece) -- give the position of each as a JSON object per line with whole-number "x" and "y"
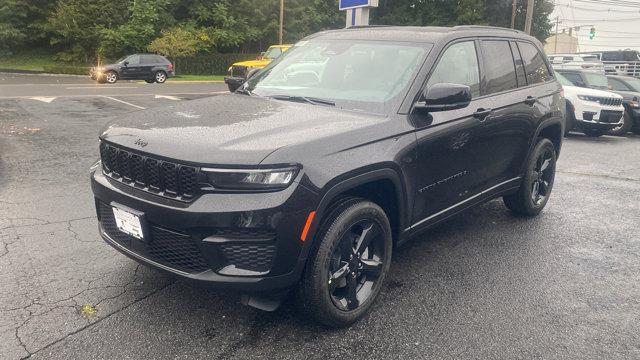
{"x": 66, "y": 69}
{"x": 214, "y": 64}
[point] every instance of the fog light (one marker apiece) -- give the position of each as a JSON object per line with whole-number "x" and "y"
{"x": 588, "y": 115}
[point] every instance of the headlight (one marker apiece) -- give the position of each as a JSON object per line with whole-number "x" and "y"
{"x": 588, "y": 98}
{"x": 251, "y": 179}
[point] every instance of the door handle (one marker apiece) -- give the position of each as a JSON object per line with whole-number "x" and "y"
{"x": 530, "y": 100}
{"x": 481, "y": 114}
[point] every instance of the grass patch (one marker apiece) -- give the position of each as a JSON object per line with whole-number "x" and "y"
{"x": 33, "y": 61}
{"x": 197, "y": 78}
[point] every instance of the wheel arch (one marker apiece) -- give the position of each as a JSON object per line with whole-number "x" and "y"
{"x": 552, "y": 129}
{"x": 382, "y": 186}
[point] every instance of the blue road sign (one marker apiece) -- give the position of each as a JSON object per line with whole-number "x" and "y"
{"x": 352, "y": 4}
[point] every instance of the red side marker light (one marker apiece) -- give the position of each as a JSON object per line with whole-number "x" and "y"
{"x": 307, "y": 225}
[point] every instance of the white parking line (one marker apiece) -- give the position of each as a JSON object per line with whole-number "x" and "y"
{"x": 126, "y": 103}
{"x": 103, "y": 95}
{"x": 99, "y": 87}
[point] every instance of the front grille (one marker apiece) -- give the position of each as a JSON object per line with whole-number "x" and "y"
{"x": 611, "y": 117}
{"x": 254, "y": 257}
{"x": 239, "y": 71}
{"x": 164, "y": 178}
{"x": 171, "y": 248}
{"x": 608, "y": 101}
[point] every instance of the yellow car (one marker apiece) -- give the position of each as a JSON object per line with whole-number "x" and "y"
{"x": 240, "y": 71}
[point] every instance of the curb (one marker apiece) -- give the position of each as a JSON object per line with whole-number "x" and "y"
{"x": 36, "y": 73}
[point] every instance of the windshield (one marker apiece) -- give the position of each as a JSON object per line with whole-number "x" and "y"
{"x": 354, "y": 74}
{"x": 597, "y": 80}
{"x": 273, "y": 53}
{"x": 120, "y": 60}
{"x": 563, "y": 80}
{"x": 634, "y": 83}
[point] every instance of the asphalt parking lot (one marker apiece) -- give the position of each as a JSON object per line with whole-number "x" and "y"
{"x": 484, "y": 285}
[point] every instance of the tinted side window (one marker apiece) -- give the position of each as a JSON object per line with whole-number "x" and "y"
{"x": 134, "y": 60}
{"x": 458, "y": 65}
{"x": 520, "y": 74}
{"x": 617, "y": 85}
{"x": 534, "y": 64}
{"x": 161, "y": 60}
{"x": 147, "y": 59}
{"x": 499, "y": 69}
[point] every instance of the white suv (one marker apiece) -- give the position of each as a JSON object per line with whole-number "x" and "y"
{"x": 576, "y": 62}
{"x": 594, "y": 112}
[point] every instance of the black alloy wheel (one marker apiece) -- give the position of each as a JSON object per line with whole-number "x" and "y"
{"x": 356, "y": 264}
{"x": 543, "y": 175}
{"x": 536, "y": 186}
{"x": 349, "y": 262}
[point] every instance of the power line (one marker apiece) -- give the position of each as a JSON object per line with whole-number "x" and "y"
{"x": 609, "y": 10}
{"x": 611, "y": 2}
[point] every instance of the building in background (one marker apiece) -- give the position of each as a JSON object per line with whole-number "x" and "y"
{"x": 561, "y": 43}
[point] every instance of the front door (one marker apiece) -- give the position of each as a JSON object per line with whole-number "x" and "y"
{"x": 448, "y": 143}
{"x": 131, "y": 68}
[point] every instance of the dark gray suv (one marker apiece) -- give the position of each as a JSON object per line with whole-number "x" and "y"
{"x": 148, "y": 67}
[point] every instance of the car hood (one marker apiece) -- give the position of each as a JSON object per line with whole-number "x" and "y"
{"x": 575, "y": 91}
{"x": 253, "y": 63}
{"x": 239, "y": 129}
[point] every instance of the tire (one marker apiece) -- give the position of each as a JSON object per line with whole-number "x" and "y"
{"x": 569, "y": 120}
{"x": 111, "y": 77}
{"x": 623, "y": 129}
{"x": 232, "y": 88}
{"x": 150, "y": 81}
{"x": 535, "y": 190}
{"x": 594, "y": 132}
{"x": 160, "y": 77}
{"x": 340, "y": 284}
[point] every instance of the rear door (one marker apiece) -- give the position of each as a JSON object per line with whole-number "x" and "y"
{"x": 504, "y": 135}
{"x": 147, "y": 64}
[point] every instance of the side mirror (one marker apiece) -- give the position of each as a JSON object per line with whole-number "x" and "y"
{"x": 444, "y": 97}
{"x": 126, "y": 63}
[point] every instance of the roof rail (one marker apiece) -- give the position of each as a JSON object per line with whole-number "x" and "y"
{"x": 367, "y": 26}
{"x": 485, "y": 27}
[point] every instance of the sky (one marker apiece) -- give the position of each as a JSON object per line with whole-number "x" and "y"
{"x": 617, "y": 22}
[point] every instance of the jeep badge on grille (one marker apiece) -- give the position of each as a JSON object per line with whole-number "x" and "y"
{"x": 141, "y": 143}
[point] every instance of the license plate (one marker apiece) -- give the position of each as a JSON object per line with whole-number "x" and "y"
{"x": 127, "y": 222}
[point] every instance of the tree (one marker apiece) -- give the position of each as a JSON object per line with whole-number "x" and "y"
{"x": 136, "y": 33}
{"x": 77, "y": 25}
{"x": 22, "y": 22}
{"x": 176, "y": 42}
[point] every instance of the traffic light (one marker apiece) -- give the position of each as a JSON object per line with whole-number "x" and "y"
{"x": 592, "y": 33}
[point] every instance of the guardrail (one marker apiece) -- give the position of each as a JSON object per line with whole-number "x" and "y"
{"x": 627, "y": 68}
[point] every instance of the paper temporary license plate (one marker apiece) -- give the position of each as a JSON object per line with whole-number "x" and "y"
{"x": 127, "y": 222}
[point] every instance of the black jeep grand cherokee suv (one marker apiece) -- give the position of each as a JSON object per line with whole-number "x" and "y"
{"x": 348, "y": 145}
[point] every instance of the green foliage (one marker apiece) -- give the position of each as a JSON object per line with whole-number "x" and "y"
{"x": 137, "y": 32}
{"x": 176, "y": 42}
{"x": 213, "y": 64}
{"x": 83, "y": 30}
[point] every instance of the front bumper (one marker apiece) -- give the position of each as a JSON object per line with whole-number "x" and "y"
{"x": 245, "y": 242}
{"x": 234, "y": 80}
{"x": 592, "y": 116}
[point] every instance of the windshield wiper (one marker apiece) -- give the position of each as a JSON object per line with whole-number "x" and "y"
{"x": 297, "y": 98}
{"x": 243, "y": 91}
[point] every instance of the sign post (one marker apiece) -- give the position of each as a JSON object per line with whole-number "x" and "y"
{"x": 357, "y": 11}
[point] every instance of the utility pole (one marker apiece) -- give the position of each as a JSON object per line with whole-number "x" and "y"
{"x": 555, "y": 48}
{"x": 280, "y": 34}
{"x": 529, "y": 21}
{"x": 513, "y": 14}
